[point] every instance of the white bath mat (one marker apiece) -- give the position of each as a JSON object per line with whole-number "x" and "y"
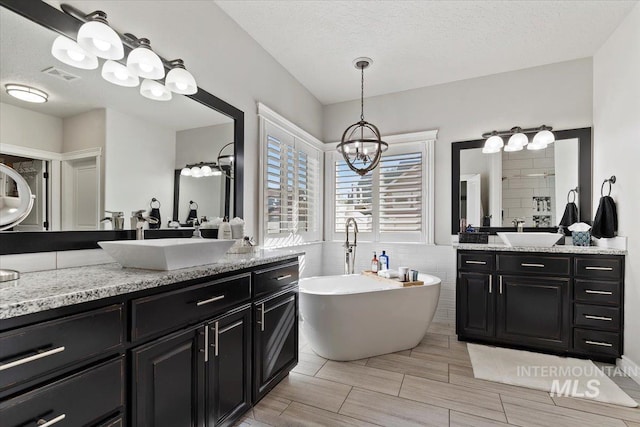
{"x": 564, "y": 376}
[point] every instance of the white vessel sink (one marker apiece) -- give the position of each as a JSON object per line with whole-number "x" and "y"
{"x": 538, "y": 240}
{"x": 166, "y": 254}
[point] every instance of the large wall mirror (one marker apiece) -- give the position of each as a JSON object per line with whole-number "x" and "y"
{"x": 491, "y": 191}
{"x": 95, "y": 147}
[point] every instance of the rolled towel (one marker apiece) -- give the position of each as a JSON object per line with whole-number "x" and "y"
{"x": 388, "y": 274}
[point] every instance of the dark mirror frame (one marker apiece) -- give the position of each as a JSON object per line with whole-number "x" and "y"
{"x": 46, "y": 241}
{"x": 584, "y": 178}
{"x": 176, "y": 195}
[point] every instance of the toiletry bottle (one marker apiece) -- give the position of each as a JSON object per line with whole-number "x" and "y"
{"x": 384, "y": 261}
{"x": 375, "y": 266}
{"x": 224, "y": 232}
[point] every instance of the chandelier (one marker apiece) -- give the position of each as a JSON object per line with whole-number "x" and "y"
{"x": 361, "y": 145}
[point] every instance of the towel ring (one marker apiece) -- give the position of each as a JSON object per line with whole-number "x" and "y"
{"x": 611, "y": 180}
{"x": 574, "y": 192}
{"x": 154, "y": 200}
{"x": 193, "y": 205}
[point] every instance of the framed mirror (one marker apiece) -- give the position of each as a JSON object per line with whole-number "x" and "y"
{"x": 490, "y": 191}
{"x": 95, "y": 147}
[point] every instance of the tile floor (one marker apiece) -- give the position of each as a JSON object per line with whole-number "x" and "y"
{"x": 430, "y": 385}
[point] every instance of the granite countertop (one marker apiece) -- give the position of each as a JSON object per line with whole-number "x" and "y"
{"x": 45, "y": 290}
{"x": 560, "y": 249}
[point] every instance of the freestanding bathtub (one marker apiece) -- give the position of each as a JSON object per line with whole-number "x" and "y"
{"x": 354, "y": 316}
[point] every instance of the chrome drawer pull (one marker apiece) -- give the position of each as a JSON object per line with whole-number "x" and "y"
{"x": 44, "y": 423}
{"x": 206, "y": 345}
{"x": 490, "y": 283}
{"x": 500, "y": 285}
{"x": 589, "y": 291}
{"x": 526, "y": 264}
{"x": 476, "y": 262}
{"x": 287, "y": 276}
{"x": 280, "y": 304}
{"x": 588, "y": 316}
{"x": 210, "y": 300}
{"x": 31, "y": 358}
{"x": 601, "y": 344}
{"x": 599, "y": 268}
{"x": 261, "y": 322}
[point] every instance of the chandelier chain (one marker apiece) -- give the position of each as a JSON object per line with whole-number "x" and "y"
{"x": 362, "y": 93}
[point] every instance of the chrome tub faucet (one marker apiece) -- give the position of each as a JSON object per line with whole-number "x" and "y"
{"x": 350, "y": 248}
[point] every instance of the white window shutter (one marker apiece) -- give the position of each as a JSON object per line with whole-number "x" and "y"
{"x": 400, "y": 193}
{"x": 353, "y": 198}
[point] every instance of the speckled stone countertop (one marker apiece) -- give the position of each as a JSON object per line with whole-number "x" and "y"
{"x": 45, "y": 290}
{"x": 560, "y": 249}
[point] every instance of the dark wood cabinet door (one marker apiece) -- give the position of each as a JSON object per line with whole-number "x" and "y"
{"x": 275, "y": 341}
{"x": 475, "y": 302}
{"x": 168, "y": 380}
{"x": 228, "y": 375}
{"x": 534, "y": 311}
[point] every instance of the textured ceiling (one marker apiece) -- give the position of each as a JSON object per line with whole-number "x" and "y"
{"x": 420, "y": 43}
{"x": 25, "y": 49}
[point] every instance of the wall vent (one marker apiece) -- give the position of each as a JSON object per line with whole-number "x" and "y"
{"x": 61, "y": 74}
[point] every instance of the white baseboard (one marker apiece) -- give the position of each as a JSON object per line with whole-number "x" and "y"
{"x": 629, "y": 367}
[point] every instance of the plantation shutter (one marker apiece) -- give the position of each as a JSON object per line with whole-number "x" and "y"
{"x": 308, "y": 181}
{"x": 353, "y": 198}
{"x": 400, "y": 193}
{"x": 279, "y": 192}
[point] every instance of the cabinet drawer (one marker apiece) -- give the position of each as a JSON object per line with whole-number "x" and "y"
{"x": 598, "y": 267}
{"x": 476, "y": 261}
{"x": 596, "y": 342}
{"x": 170, "y": 310}
{"x": 540, "y": 264}
{"x": 32, "y": 351}
{"x": 275, "y": 278}
{"x": 597, "y": 316}
{"x": 599, "y": 292}
{"x": 79, "y": 400}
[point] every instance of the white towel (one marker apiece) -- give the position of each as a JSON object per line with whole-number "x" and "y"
{"x": 388, "y": 274}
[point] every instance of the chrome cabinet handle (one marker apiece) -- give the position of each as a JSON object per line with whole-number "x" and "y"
{"x": 261, "y": 322}
{"x": 599, "y": 268}
{"x": 44, "y": 423}
{"x": 216, "y": 334}
{"x": 526, "y": 264}
{"x": 206, "y": 345}
{"x": 280, "y": 304}
{"x": 31, "y": 358}
{"x": 601, "y": 344}
{"x": 500, "y": 285}
{"x": 476, "y": 262}
{"x": 210, "y": 300}
{"x": 287, "y": 276}
{"x": 490, "y": 282}
{"x": 590, "y": 291}
{"x": 607, "y": 319}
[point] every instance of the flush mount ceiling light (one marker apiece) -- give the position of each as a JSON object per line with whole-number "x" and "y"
{"x": 97, "y": 37}
{"x": 518, "y": 139}
{"x": 153, "y": 90}
{"x": 116, "y": 73}
{"x": 26, "y": 93}
{"x": 179, "y": 80}
{"x": 144, "y": 62}
{"x": 361, "y": 145}
{"x": 71, "y": 53}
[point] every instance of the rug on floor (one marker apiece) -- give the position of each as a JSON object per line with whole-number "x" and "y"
{"x": 563, "y": 376}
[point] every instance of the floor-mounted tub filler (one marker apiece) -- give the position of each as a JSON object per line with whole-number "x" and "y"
{"x": 354, "y": 316}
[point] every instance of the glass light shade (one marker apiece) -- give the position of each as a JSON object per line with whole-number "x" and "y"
{"x": 116, "y": 73}
{"x": 153, "y": 90}
{"x": 71, "y": 53}
{"x": 181, "y": 81}
{"x": 494, "y": 141}
{"x": 489, "y": 150}
{"x": 510, "y": 148}
{"x": 206, "y": 170}
{"x": 185, "y": 172}
{"x": 196, "y": 172}
{"x": 536, "y": 146}
{"x": 144, "y": 62}
{"x": 26, "y": 93}
{"x": 518, "y": 139}
{"x": 544, "y": 137}
{"x": 101, "y": 40}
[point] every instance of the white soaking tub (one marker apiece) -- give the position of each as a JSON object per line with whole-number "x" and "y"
{"x": 354, "y": 316}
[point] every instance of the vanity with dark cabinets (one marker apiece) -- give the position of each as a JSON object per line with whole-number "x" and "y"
{"x": 195, "y": 353}
{"x": 561, "y": 303}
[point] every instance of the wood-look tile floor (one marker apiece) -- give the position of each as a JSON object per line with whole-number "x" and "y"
{"x": 430, "y": 385}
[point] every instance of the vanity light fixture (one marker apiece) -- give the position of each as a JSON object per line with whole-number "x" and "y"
{"x": 97, "y": 37}
{"x": 144, "y": 62}
{"x": 202, "y": 169}
{"x": 361, "y": 145}
{"x": 179, "y": 80}
{"x": 154, "y": 90}
{"x": 518, "y": 139}
{"x": 26, "y": 93}
{"x": 118, "y": 74}
{"x": 71, "y": 53}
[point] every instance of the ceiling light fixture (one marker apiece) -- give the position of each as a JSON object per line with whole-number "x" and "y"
{"x": 71, "y": 53}
{"x": 116, "y": 73}
{"x": 179, "y": 80}
{"x": 154, "y": 90}
{"x": 518, "y": 139}
{"x": 361, "y": 145}
{"x": 97, "y": 37}
{"x": 144, "y": 62}
{"x": 26, "y": 93}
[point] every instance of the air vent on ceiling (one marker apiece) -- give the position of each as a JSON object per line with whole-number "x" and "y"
{"x": 61, "y": 74}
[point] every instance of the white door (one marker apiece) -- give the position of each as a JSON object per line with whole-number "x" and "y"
{"x": 33, "y": 172}
{"x": 474, "y": 199}
{"x": 80, "y": 193}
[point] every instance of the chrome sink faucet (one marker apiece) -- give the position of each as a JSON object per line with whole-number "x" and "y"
{"x": 138, "y": 219}
{"x": 350, "y": 248}
{"x": 519, "y": 224}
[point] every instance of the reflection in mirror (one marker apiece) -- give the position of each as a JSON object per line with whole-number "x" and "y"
{"x": 107, "y": 148}
{"x": 13, "y": 202}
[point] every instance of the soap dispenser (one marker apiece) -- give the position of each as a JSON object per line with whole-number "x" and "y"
{"x": 384, "y": 261}
{"x": 224, "y": 231}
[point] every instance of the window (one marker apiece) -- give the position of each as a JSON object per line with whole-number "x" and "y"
{"x": 290, "y": 182}
{"x": 391, "y": 203}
